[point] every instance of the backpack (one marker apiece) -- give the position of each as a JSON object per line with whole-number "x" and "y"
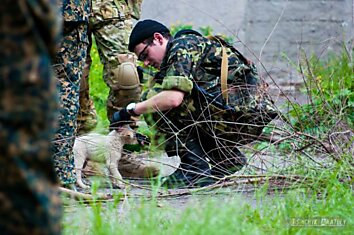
{"x": 225, "y": 120}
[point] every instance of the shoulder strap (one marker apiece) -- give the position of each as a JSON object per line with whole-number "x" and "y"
{"x": 186, "y": 32}
{"x": 224, "y": 69}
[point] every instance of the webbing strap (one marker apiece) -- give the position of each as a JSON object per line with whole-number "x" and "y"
{"x": 224, "y": 73}
{"x": 224, "y": 70}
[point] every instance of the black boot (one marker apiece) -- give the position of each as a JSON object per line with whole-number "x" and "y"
{"x": 228, "y": 162}
{"x": 194, "y": 170}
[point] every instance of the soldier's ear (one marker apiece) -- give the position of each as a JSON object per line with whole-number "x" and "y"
{"x": 159, "y": 38}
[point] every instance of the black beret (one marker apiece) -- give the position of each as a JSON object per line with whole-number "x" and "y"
{"x": 143, "y": 30}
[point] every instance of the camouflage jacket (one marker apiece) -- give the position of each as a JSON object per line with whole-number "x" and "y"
{"x": 117, "y": 9}
{"x": 75, "y": 10}
{"x": 135, "y": 8}
{"x": 192, "y": 64}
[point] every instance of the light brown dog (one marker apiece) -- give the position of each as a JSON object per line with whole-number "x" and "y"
{"x": 102, "y": 148}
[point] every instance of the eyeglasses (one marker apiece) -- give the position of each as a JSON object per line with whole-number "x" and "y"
{"x": 143, "y": 55}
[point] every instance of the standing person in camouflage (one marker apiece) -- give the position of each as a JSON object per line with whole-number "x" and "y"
{"x": 187, "y": 105}
{"x": 111, "y": 25}
{"x": 68, "y": 66}
{"x": 29, "y": 199}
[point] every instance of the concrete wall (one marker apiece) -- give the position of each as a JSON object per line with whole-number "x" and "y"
{"x": 281, "y": 27}
{"x": 270, "y": 32}
{"x": 224, "y": 16}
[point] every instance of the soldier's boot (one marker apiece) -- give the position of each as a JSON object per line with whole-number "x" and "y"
{"x": 147, "y": 165}
{"x": 229, "y": 163}
{"x": 194, "y": 170}
{"x": 144, "y": 165}
{"x": 87, "y": 116}
{"x": 136, "y": 166}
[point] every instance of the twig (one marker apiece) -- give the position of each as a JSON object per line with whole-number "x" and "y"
{"x": 82, "y": 196}
{"x": 317, "y": 140}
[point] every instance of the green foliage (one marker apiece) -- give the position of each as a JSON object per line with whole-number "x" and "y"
{"x": 329, "y": 85}
{"x": 327, "y": 198}
{"x": 177, "y": 27}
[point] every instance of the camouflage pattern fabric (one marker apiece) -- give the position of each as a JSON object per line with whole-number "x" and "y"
{"x": 193, "y": 64}
{"x": 75, "y": 10}
{"x": 111, "y": 25}
{"x": 68, "y": 66}
{"x": 87, "y": 117}
{"x": 29, "y": 200}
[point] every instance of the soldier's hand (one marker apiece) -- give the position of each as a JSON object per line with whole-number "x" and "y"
{"x": 120, "y": 118}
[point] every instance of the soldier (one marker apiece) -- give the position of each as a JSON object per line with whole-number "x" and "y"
{"x": 29, "y": 200}
{"x": 68, "y": 66}
{"x": 111, "y": 24}
{"x": 188, "y": 103}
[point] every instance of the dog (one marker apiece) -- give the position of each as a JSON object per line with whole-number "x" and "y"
{"x": 102, "y": 148}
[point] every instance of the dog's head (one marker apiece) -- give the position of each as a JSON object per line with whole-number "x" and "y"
{"x": 127, "y": 135}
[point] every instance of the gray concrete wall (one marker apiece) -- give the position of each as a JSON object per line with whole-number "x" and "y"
{"x": 269, "y": 32}
{"x": 282, "y": 27}
{"x": 224, "y": 16}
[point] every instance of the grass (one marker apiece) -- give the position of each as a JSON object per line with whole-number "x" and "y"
{"x": 230, "y": 214}
{"x": 98, "y": 89}
{"x": 325, "y": 196}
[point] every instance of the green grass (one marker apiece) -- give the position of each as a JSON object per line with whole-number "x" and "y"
{"x": 227, "y": 214}
{"x": 98, "y": 89}
{"x": 329, "y": 85}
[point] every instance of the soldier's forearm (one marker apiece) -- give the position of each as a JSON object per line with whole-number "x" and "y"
{"x": 163, "y": 101}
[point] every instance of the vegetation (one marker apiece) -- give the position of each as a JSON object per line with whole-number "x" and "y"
{"x": 329, "y": 206}
{"x": 330, "y": 87}
{"x": 98, "y": 89}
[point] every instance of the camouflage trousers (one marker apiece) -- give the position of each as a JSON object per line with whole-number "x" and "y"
{"x": 68, "y": 66}
{"x": 119, "y": 31}
{"x": 29, "y": 200}
{"x": 87, "y": 117}
{"x": 111, "y": 35}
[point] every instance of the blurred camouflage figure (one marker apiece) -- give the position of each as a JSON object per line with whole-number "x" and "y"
{"x": 68, "y": 65}
{"x": 111, "y": 24}
{"x": 29, "y": 200}
{"x": 202, "y": 120}
{"x": 87, "y": 117}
